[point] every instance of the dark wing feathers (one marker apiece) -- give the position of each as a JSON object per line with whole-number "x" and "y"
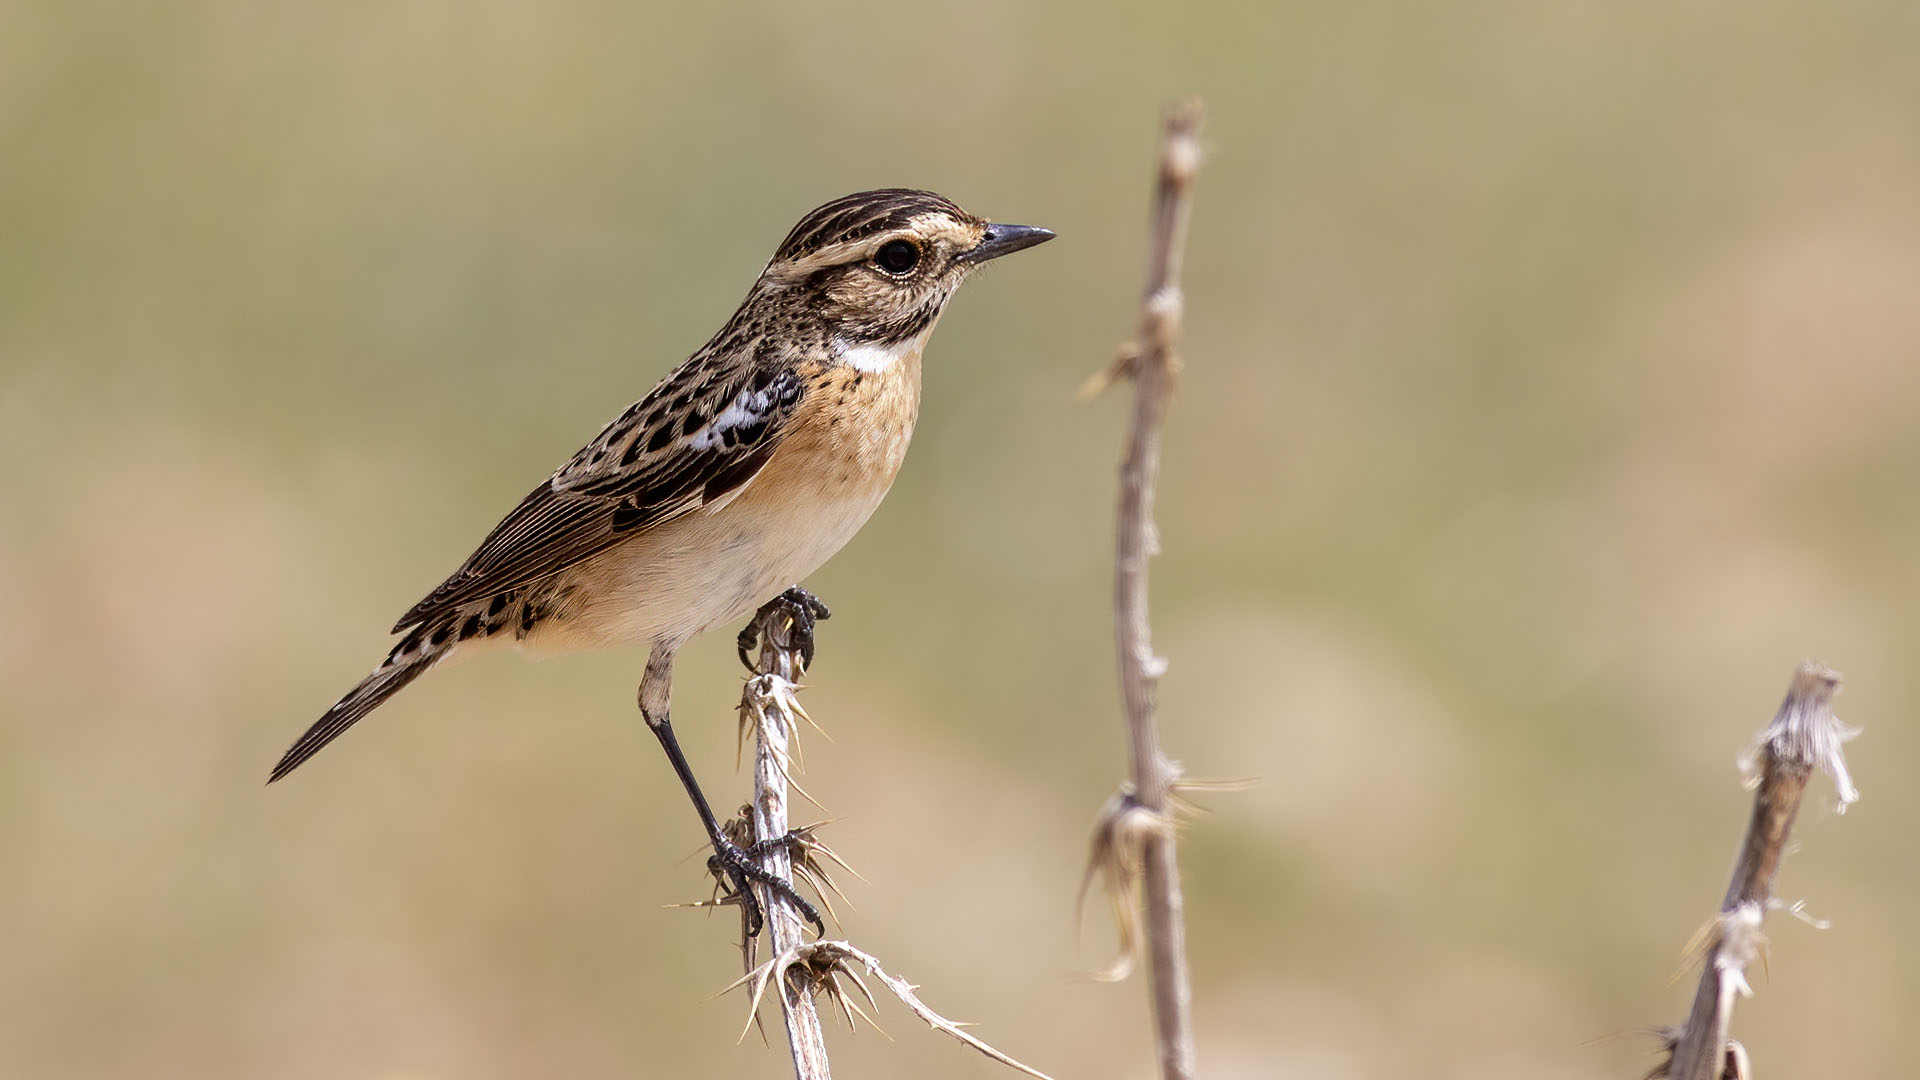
{"x": 652, "y": 464}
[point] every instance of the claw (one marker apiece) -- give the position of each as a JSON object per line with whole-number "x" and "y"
{"x": 802, "y": 609}
{"x": 748, "y": 641}
{"x": 737, "y": 863}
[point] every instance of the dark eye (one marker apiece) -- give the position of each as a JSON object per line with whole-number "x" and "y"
{"x": 897, "y": 257}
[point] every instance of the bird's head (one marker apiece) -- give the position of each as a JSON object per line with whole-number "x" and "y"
{"x": 873, "y": 271}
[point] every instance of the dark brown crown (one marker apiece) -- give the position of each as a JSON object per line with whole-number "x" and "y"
{"x": 863, "y": 213}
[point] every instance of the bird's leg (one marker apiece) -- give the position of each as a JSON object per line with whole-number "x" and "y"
{"x": 802, "y": 610}
{"x": 728, "y": 857}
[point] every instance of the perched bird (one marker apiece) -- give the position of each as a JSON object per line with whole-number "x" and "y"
{"x": 737, "y": 475}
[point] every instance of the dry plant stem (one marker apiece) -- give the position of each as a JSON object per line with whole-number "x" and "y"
{"x": 785, "y": 925}
{"x": 827, "y": 964}
{"x": 803, "y": 969}
{"x": 1802, "y": 736}
{"x": 1153, "y": 368}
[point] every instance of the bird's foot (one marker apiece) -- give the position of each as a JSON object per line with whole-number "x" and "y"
{"x": 802, "y": 610}
{"x": 736, "y": 864}
{"x": 791, "y": 840}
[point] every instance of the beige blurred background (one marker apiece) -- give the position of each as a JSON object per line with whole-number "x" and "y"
{"x": 1553, "y": 387}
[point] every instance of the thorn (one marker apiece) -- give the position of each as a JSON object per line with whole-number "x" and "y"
{"x": 1122, "y": 366}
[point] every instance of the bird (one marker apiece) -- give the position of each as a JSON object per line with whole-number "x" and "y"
{"x": 738, "y": 474}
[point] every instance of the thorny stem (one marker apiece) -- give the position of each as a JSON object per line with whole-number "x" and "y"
{"x": 785, "y": 925}
{"x": 1153, "y": 368}
{"x": 1804, "y": 735}
{"x": 805, "y": 969}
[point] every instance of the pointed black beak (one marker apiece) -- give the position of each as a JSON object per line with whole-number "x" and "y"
{"x": 1005, "y": 240}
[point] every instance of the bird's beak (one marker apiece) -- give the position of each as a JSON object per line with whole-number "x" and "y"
{"x": 1005, "y": 240}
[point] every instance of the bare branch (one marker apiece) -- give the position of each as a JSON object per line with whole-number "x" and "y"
{"x": 770, "y": 706}
{"x": 768, "y": 702}
{"x": 1804, "y": 735}
{"x": 1146, "y": 810}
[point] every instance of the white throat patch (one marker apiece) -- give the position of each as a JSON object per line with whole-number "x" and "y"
{"x": 876, "y": 358}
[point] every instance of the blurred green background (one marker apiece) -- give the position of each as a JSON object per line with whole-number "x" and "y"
{"x": 1553, "y": 387}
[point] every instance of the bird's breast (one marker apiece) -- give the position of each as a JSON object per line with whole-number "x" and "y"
{"x": 823, "y": 483}
{"x": 849, "y": 436}
{"x": 714, "y": 566}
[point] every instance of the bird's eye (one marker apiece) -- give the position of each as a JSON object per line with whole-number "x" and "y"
{"x": 897, "y": 257}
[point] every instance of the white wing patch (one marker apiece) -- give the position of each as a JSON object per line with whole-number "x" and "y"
{"x": 748, "y": 408}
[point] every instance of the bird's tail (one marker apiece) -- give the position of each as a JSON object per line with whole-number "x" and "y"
{"x": 423, "y": 647}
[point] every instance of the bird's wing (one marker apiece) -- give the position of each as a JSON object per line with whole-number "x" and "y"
{"x": 694, "y": 439}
